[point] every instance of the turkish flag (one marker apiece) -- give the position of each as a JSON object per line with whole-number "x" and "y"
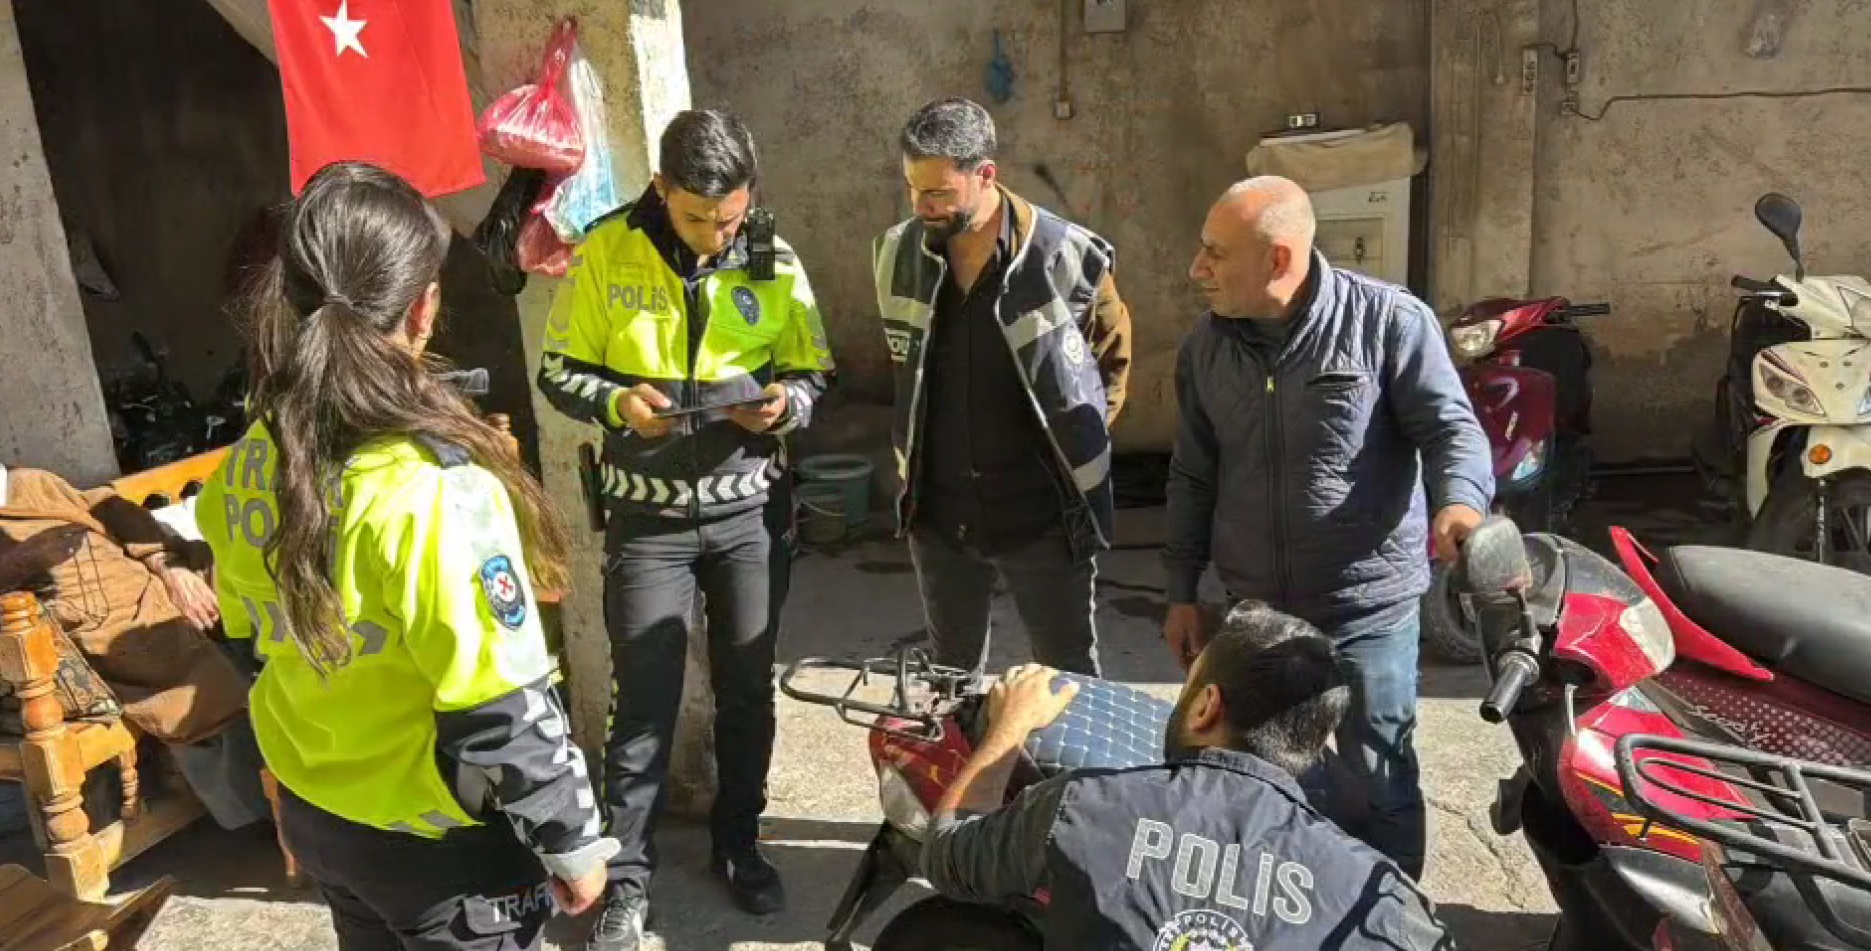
{"x": 377, "y": 81}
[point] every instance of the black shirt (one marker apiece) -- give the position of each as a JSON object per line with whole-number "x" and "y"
{"x": 984, "y": 480}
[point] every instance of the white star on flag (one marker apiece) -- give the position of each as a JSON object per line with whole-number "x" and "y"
{"x": 345, "y": 30}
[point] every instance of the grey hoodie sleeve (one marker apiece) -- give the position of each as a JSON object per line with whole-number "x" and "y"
{"x": 1192, "y": 470}
{"x": 1432, "y": 407}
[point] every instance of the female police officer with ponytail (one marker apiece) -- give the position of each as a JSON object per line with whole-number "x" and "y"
{"x": 377, "y": 545}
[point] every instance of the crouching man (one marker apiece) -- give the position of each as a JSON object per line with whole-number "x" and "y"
{"x": 1215, "y": 847}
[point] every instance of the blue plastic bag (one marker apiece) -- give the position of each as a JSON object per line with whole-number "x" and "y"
{"x": 593, "y": 191}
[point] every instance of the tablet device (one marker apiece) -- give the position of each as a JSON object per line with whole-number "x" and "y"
{"x": 675, "y": 411}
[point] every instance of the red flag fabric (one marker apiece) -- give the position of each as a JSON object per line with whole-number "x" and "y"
{"x": 377, "y": 81}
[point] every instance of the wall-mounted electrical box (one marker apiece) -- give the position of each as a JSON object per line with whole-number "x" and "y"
{"x": 1104, "y": 16}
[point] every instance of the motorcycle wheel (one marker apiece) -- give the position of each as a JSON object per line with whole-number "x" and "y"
{"x": 941, "y": 924}
{"x": 1785, "y": 525}
{"x": 1444, "y": 632}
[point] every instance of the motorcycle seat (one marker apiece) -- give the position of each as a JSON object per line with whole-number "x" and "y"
{"x": 1797, "y": 618}
{"x": 1109, "y": 725}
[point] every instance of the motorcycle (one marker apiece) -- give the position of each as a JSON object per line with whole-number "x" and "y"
{"x": 1790, "y": 443}
{"x": 154, "y": 421}
{"x": 1527, "y": 371}
{"x": 920, "y": 738}
{"x": 1692, "y": 739}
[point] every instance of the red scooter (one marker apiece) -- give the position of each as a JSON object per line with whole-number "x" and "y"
{"x": 1693, "y": 740}
{"x": 1527, "y": 371}
{"x": 920, "y": 738}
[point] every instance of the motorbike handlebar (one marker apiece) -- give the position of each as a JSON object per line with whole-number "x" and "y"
{"x": 1517, "y": 670}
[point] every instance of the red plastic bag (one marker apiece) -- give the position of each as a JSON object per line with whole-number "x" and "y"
{"x": 536, "y": 125}
{"x": 540, "y": 250}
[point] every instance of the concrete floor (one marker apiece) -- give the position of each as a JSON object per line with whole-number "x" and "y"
{"x": 861, "y": 602}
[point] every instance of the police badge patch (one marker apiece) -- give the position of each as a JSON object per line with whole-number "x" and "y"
{"x": 505, "y": 597}
{"x": 1202, "y": 931}
{"x": 748, "y": 304}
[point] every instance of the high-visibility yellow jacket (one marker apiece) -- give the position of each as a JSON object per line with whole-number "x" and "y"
{"x": 635, "y": 309}
{"x": 445, "y": 715}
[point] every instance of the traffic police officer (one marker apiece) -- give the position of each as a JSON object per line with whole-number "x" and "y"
{"x": 688, "y": 332}
{"x": 375, "y": 546}
{"x": 1216, "y": 848}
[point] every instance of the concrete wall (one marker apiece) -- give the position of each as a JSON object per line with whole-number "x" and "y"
{"x": 1165, "y": 114}
{"x": 51, "y": 408}
{"x": 1651, "y": 208}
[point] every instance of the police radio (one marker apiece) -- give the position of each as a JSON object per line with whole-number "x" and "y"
{"x": 760, "y": 244}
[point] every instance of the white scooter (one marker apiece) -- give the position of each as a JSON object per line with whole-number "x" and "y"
{"x": 1795, "y": 406}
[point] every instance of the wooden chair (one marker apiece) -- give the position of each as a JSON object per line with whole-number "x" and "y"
{"x": 54, "y": 757}
{"x": 34, "y": 916}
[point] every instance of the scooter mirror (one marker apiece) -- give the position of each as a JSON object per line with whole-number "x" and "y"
{"x": 1782, "y": 216}
{"x": 1494, "y": 559}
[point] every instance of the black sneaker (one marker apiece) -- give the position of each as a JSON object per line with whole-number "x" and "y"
{"x": 752, "y": 880}
{"x": 620, "y": 923}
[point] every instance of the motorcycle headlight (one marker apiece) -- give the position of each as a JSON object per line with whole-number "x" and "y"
{"x": 1789, "y": 390}
{"x": 1647, "y": 627}
{"x": 1474, "y": 341}
{"x": 902, "y": 809}
{"x": 1530, "y": 464}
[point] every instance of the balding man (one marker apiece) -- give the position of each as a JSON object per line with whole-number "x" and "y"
{"x": 1316, "y": 405}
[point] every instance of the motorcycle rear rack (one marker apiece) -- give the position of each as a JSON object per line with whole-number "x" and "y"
{"x": 1781, "y": 781}
{"x": 948, "y": 685}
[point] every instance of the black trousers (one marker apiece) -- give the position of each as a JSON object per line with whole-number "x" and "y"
{"x": 1054, "y": 590}
{"x": 475, "y": 889}
{"x": 740, "y": 565}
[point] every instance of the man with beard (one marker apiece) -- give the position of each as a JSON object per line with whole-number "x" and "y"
{"x": 1010, "y": 348}
{"x": 1216, "y": 847}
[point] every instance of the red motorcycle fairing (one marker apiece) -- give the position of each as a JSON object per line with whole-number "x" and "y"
{"x": 1515, "y": 406}
{"x": 1588, "y": 779}
{"x": 929, "y": 768}
{"x": 1693, "y": 641}
{"x": 1516, "y": 316}
{"x": 1593, "y": 637}
{"x": 1787, "y": 717}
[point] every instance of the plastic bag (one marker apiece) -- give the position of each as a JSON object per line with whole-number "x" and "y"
{"x": 499, "y": 232}
{"x": 541, "y": 250}
{"x": 593, "y": 191}
{"x": 535, "y": 126}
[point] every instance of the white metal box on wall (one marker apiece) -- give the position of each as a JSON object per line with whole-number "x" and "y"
{"x": 1359, "y": 181}
{"x": 1366, "y": 228}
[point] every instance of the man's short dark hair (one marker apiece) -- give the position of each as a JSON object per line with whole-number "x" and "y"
{"x": 708, "y": 152}
{"x": 1282, "y": 689}
{"x": 955, "y": 128}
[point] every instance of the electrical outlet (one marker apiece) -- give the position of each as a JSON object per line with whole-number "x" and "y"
{"x": 1104, "y": 16}
{"x": 1529, "y": 70}
{"x": 1062, "y": 109}
{"x": 1575, "y": 68}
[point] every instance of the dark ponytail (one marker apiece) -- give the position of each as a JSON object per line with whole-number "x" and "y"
{"x": 357, "y": 250}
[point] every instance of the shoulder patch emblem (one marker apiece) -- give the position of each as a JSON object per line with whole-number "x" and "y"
{"x": 501, "y": 586}
{"x": 748, "y": 304}
{"x": 1202, "y": 931}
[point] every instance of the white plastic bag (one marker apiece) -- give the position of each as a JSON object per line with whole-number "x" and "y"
{"x": 591, "y": 192}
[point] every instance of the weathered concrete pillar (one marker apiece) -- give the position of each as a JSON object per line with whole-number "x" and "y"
{"x": 1486, "y": 76}
{"x": 51, "y": 405}
{"x": 636, "y": 48}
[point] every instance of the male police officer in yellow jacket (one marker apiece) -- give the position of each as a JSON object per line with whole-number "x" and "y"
{"x": 689, "y": 333}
